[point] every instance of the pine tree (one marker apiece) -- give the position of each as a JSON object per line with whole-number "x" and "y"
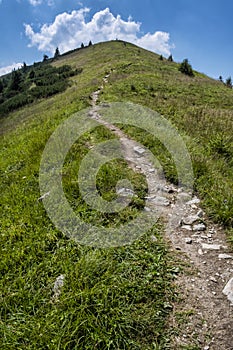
{"x": 1, "y": 86}
{"x": 82, "y": 46}
{"x": 229, "y": 82}
{"x": 56, "y": 53}
{"x": 90, "y": 43}
{"x": 16, "y": 78}
{"x": 24, "y": 68}
{"x": 161, "y": 57}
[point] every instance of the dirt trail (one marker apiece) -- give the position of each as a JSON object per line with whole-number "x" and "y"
{"x": 198, "y": 242}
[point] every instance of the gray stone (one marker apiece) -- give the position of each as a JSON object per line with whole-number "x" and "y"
{"x": 161, "y": 201}
{"x": 147, "y": 209}
{"x": 212, "y": 279}
{"x": 44, "y": 196}
{"x": 225, "y": 256}
{"x": 206, "y": 246}
{"x": 139, "y": 150}
{"x": 183, "y": 197}
{"x": 188, "y": 240}
{"x": 189, "y": 220}
{"x": 125, "y": 192}
{"x": 228, "y": 290}
{"x": 199, "y": 227}
{"x": 186, "y": 227}
{"x": 200, "y": 213}
{"x": 200, "y": 251}
{"x": 58, "y": 284}
{"x": 195, "y": 200}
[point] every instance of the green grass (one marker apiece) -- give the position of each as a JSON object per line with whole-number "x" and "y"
{"x": 112, "y": 298}
{"x": 201, "y": 110}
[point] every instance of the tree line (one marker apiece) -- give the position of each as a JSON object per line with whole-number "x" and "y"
{"x": 25, "y": 85}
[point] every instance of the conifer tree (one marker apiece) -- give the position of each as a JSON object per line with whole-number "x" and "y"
{"x": 56, "y": 53}
{"x": 229, "y": 82}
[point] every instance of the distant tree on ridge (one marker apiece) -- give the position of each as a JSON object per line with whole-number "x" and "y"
{"x": 229, "y": 82}
{"x": 56, "y": 53}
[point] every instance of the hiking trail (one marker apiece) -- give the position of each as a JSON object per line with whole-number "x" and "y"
{"x": 208, "y": 290}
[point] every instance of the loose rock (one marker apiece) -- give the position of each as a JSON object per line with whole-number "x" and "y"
{"x": 189, "y": 220}
{"x": 161, "y": 201}
{"x": 199, "y": 227}
{"x": 125, "y": 192}
{"x": 139, "y": 150}
{"x": 206, "y": 246}
{"x": 225, "y": 256}
{"x": 187, "y": 227}
{"x": 195, "y": 200}
{"x": 228, "y": 290}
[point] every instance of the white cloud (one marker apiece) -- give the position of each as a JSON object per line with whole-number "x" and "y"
{"x": 35, "y": 2}
{"x": 69, "y": 30}
{"x": 39, "y": 2}
{"x": 8, "y": 69}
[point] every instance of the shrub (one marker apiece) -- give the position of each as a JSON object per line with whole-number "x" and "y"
{"x": 170, "y": 58}
{"x": 186, "y": 68}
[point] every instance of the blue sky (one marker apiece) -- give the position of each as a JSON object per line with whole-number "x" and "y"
{"x": 201, "y": 31}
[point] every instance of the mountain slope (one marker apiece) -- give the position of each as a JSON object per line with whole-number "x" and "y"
{"x": 116, "y": 298}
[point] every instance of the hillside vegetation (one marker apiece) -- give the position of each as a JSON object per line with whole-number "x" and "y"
{"x": 114, "y": 298}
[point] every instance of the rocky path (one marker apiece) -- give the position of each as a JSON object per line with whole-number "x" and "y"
{"x": 208, "y": 287}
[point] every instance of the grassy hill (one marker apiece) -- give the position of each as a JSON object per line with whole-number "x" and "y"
{"x": 113, "y": 298}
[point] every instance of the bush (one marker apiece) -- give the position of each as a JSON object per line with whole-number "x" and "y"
{"x": 186, "y": 68}
{"x": 170, "y": 58}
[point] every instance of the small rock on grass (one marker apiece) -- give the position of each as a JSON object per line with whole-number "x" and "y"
{"x": 58, "y": 284}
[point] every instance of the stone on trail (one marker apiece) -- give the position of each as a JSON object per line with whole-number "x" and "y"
{"x": 206, "y": 246}
{"x": 199, "y": 227}
{"x": 189, "y": 220}
{"x": 186, "y": 227}
{"x": 161, "y": 201}
{"x": 195, "y": 200}
{"x": 228, "y": 290}
{"x": 139, "y": 150}
{"x": 225, "y": 256}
